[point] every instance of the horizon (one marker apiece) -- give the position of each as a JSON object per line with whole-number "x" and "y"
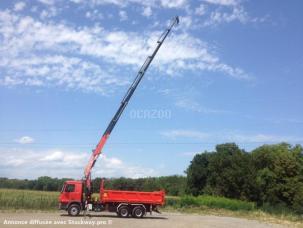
{"x": 230, "y": 72}
{"x": 93, "y": 178}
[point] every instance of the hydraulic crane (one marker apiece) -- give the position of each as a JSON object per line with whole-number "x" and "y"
{"x": 98, "y": 150}
{"x": 124, "y": 203}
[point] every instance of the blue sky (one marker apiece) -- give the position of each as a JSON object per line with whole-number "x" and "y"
{"x": 230, "y": 72}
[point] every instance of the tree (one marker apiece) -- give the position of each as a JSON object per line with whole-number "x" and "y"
{"x": 229, "y": 172}
{"x": 197, "y": 173}
{"x": 279, "y": 176}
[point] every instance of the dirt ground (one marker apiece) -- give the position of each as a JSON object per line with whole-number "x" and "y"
{"x": 170, "y": 220}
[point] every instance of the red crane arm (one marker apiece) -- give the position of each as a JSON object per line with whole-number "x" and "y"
{"x": 128, "y": 95}
{"x": 95, "y": 155}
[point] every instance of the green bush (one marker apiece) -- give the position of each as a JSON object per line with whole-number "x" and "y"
{"x": 207, "y": 201}
{"x": 229, "y": 204}
{"x": 186, "y": 201}
{"x": 172, "y": 202}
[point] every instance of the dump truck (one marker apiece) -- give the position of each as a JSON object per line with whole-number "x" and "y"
{"x": 76, "y": 195}
{"x": 123, "y": 203}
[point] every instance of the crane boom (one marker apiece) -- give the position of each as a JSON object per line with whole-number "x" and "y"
{"x": 97, "y": 151}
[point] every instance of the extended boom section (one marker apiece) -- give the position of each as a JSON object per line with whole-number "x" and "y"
{"x": 97, "y": 151}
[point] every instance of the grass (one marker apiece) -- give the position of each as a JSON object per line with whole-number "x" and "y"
{"x": 217, "y": 202}
{"x": 220, "y": 206}
{"x": 11, "y": 199}
{"x": 212, "y": 202}
{"x": 19, "y": 200}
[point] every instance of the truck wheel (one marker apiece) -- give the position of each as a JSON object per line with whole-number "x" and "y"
{"x": 74, "y": 210}
{"x": 138, "y": 212}
{"x": 123, "y": 211}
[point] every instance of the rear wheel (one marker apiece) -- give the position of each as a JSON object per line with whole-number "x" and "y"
{"x": 123, "y": 211}
{"x": 74, "y": 210}
{"x": 138, "y": 212}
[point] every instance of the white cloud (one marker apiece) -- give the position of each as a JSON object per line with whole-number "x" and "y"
{"x": 25, "y": 140}
{"x": 53, "y": 156}
{"x": 94, "y": 15}
{"x": 111, "y": 162}
{"x": 111, "y": 166}
{"x": 189, "y": 154}
{"x": 15, "y": 162}
{"x": 229, "y": 136}
{"x": 173, "y": 3}
{"x": 184, "y": 52}
{"x": 88, "y": 14}
{"x": 222, "y": 2}
{"x": 48, "y": 13}
{"x": 123, "y": 15}
{"x": 262, "y": 138}
{"x": 225, "y": 11}
{"x": 285, "y": 120}
{"x": 124, "y": 3}
{"x": 24, "y": 38}
{"x": 21, "y": 163}
{"x": 217, "y": 12}
{"x": 147, "y": 11}
{"x": 68, "y": 72}
{"x": 236, "y": 14}
{"x": 194, "y": 106}
{"x": 185, "y": 22}
{"x": 47, "y": 2}
{"x": 19, "y": 6}
{"x": 201, "y": 10}
{"x": 37, "y": 53}
{"x": 10, "y": 81}
{"x": 174, "y": 134}
{"x": 165, "y": 91}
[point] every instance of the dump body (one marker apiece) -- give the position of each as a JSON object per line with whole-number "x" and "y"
{"x": 124, "y": 203}
{"x": 132, "y": 197}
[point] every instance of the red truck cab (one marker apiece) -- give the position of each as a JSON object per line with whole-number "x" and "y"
{"x": 71, "y": 194}
{"x": 124, "y": 203}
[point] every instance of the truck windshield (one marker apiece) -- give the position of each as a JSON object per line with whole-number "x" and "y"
{"x": 70, "y": 188}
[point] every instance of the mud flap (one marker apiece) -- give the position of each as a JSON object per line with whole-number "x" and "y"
{"x": 155, "y": 209}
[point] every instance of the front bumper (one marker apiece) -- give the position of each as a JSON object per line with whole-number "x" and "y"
{"x": 62, "y": 206}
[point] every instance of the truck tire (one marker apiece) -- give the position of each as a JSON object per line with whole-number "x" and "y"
{"x": 74, "y": 210}
{"x": 138, "y": 212}
{"x": 123, "y": 211}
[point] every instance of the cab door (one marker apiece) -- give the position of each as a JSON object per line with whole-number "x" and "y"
{"x": 69, "y": 193}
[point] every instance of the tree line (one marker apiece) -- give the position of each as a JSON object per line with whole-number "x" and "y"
{"x": 173, "y": 185}
{"x": 270, "y": 174}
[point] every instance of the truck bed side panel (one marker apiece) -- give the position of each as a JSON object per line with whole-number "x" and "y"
{"x": 155, "y": 198}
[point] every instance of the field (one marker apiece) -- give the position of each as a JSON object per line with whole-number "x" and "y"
{"x": 41, "y": 200}
{"x": 16, "y": 200}
{"x": 11, "y": 199}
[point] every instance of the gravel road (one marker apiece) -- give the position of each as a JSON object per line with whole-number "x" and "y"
{"x": 170, "y": 220}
